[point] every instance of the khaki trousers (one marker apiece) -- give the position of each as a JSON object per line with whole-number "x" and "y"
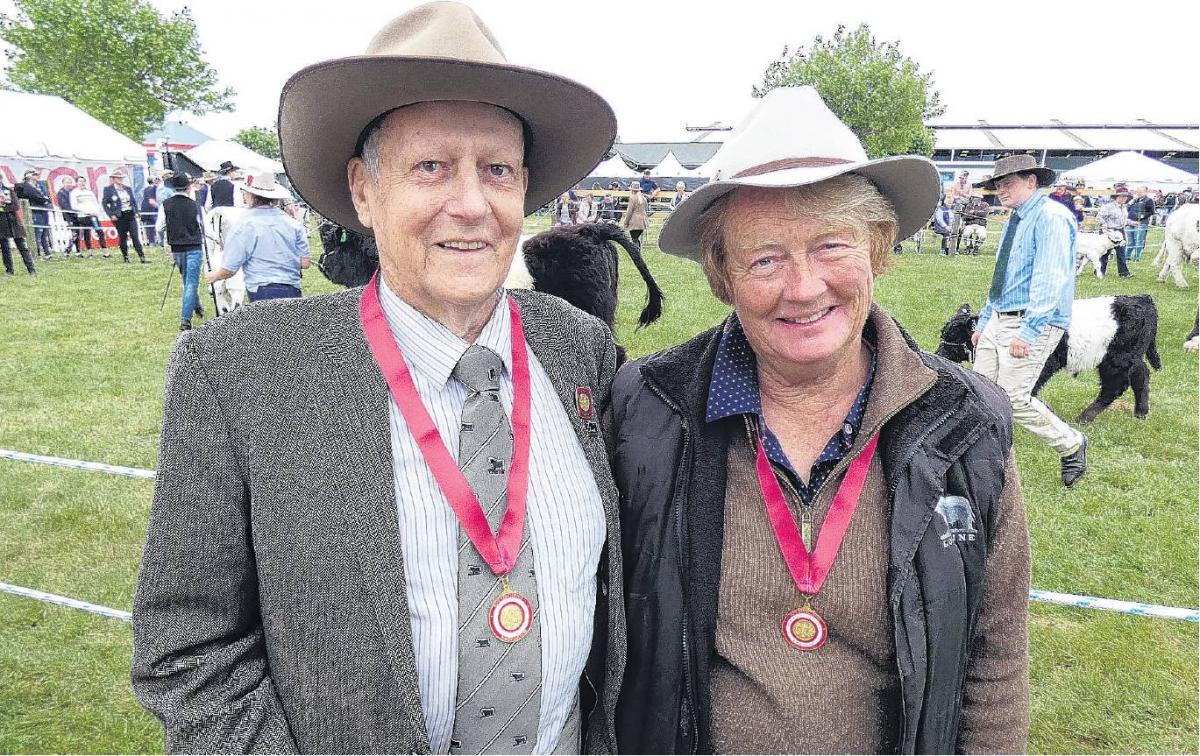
{"x": 1017, "y": 377}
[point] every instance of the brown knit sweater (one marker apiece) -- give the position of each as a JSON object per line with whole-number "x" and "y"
{"x": 768, "y": 697}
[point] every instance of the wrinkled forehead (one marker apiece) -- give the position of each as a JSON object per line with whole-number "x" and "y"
{"x": 447, "y": 121}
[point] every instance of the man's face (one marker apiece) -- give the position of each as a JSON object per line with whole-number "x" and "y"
{"x": 68, "y": 183}
{"x": 448, "y": 203}
{"x": 1014, "y": 189}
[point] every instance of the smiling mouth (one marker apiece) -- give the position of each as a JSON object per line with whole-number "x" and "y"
{"x": 462, "y": 246}
{"x": 808, "y": 319}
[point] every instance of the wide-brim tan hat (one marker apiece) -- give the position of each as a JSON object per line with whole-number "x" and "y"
{"x": 792, "y": 139}
{"x": 1018, "y": 164}
{"x": 440, "y": 51}
{"x": 264, "y": 185}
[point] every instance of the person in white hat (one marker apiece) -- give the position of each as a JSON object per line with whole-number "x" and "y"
{"x": 826, "y": 545}
{"x": 266, "y": 243}
{"x": 385, "y": 519}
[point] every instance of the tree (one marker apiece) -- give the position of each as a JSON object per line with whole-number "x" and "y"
{"x": 120, "y": 61}
{"x": 875, "y": 89}
{"x": 264, "y": 141}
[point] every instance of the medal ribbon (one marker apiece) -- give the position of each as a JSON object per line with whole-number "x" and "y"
{"x": 499, "y": 551}
{"x": 810, "y": 570}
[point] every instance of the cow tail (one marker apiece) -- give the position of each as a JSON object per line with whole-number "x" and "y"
{"x": 654, "y": 299}
{"x": 1152, "y": 350}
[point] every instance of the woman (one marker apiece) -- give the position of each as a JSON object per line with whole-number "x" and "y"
{"x": 634, "y": 220}
{"x": 809, "y": 423}
{"x": 267, "y": 244}
{"x": 680, "y": 194}
{"x": 87, "y": 216}
{"x": 586, "y": 212}
{"x": 564, "y": 210}
{"x": 12, "y": 228}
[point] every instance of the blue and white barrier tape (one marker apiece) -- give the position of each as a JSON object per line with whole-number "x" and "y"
{"x": 1049, "y": 597}
{"x": 1112, "y": 605}
{"x": 76, "y": 464}
{"x": 51, "y": 598}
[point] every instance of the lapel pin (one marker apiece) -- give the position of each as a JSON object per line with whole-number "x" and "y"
{"x": 583, "y": 402}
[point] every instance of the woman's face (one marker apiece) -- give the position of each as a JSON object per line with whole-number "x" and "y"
{"x": 801, "y": 286}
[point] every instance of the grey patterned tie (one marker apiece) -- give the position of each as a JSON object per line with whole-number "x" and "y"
{"x": 499, "y": 684}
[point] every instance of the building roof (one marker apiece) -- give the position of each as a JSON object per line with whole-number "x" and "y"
{"x": 1142, "y": 135}
{"x": 650, "y": 154}
{"x": 177, "y": 134}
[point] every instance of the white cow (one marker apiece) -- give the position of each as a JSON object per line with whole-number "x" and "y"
{"x": 1181, "y": 243}
{"x": 218, "y": 222}
{"x": 1089, "y": 248}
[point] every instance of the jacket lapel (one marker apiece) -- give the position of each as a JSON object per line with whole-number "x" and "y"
{"x": 361, "y": 436}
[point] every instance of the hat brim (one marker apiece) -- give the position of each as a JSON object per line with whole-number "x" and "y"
{"x": 1045, "y": 177}
{"x": 912, "y": 184}
{"x": 325, "y": 107}
{"x": 278, "y": 192}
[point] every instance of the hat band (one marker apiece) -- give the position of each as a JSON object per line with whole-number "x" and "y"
{"x": 789, "y": 163}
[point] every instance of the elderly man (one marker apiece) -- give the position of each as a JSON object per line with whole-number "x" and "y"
{"x": 323, "y": 570}
{"x": 1028, "y": 308}
{"x": 825, "y": 541}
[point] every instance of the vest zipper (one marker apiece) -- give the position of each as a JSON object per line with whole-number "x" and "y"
{"x": 689, "y": 689}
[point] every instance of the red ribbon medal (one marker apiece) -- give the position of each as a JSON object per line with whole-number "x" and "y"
{"x": 511, "y": 615}
{"x": 804, "y": 628}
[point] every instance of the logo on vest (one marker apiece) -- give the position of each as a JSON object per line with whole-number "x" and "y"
{"x": 955, "y": 521}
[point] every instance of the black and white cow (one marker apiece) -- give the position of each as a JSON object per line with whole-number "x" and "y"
{"x": 575, "y": 263}
{"x": 1109, "y": 334}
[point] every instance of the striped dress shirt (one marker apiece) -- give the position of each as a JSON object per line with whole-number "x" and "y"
{"x": 565, "y": 517}
{"x": 1040, "y": 278}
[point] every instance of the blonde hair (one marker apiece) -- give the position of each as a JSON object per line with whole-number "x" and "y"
{"x": 849, "y": 202}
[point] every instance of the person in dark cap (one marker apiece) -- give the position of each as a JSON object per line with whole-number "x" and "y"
{"x": 186, "y": 238}
{"x": 221, "y": 193}
{"x": 1028, "y": 308}
{"x": 32, "y": 189}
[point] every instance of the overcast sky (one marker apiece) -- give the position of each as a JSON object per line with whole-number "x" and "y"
{"x": 664, "y": 65}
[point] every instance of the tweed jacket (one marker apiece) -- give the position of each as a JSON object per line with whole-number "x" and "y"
{"x": 270, "y": 613}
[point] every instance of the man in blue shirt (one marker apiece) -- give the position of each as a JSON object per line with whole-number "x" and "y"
{"x": 1029, "y": 305}
{"x": 267, "y": 244}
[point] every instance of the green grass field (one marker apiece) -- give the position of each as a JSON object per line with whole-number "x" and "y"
{"x": 82, "y": 353}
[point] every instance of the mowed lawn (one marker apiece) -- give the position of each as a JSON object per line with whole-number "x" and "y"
{"x": 82, "y": 352}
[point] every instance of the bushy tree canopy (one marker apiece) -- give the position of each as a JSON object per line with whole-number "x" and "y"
{"x": 874, "y": 88}
{"x": 120, "y": 61}
{"x": 264, "y": 141}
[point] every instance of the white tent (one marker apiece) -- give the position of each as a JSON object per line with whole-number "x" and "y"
{"x": 1135, "y": 170}
{"x": 670, "y": 167}
{"x": 45, "y": 129}
{"x": 212, "y": 153}
{"x": 614, "y": 167}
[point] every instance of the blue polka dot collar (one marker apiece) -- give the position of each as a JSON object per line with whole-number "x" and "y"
{"x": 734, "y": 391}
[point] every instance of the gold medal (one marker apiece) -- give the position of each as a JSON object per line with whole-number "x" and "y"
{"x": 511, "y": 616}
{"x": 805, "y": 629}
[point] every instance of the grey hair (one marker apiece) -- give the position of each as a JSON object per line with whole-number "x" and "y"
{"x": 848, "y": 201}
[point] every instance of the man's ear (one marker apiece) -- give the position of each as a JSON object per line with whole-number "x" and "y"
{"x": 360, "y": 181}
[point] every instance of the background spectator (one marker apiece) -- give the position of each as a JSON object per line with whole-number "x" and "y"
{"x": 12, "y": 228}
{"x": 32, "y": 190}
{"x": 121, "y": 207}
{"x": 635, "y": 218}
{"x": 648, "y": 186}
{"x": 943, "y": 222}
{"x": 87, "y": 212}
{"x": 149, "y": 208}
{"x": 64, "y": 205}
{"x": 1141, "y": 210}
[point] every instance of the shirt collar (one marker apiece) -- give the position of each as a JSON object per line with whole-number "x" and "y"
{"x": 1030, "y": 204}
{"x": 431, "y": 349}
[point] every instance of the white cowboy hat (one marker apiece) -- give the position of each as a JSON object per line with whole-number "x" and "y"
{"x": 791, "y": 139}
{"x": 264, "y": 185}
{"x": 437, "y": 51}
